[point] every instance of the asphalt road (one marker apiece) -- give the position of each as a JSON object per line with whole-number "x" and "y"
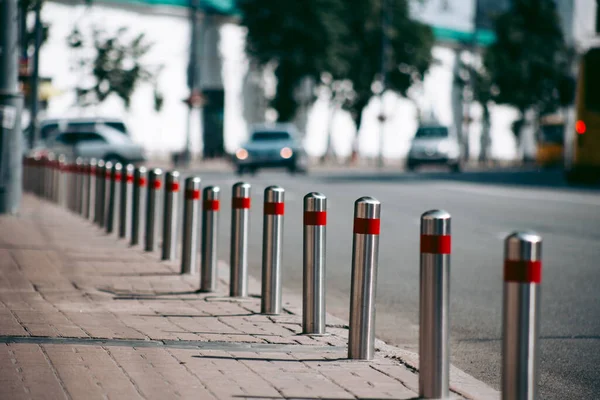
{"x": 485, "y": 208}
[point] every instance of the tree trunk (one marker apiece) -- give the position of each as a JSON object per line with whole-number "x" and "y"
{"x": 358, "y": 110}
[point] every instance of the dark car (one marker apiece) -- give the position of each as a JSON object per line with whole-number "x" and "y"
{"x": 273, "y": 146}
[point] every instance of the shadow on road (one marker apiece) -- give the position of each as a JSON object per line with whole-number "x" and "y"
{"x": 530, "y": 178}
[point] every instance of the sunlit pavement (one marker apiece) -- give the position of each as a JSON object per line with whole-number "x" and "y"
{"x": 485, "y": 206}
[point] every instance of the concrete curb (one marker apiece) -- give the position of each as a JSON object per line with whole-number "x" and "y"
{"x": 461, "y": 383}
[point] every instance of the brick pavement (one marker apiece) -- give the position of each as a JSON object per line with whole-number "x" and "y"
{"x": 84, "y": 316}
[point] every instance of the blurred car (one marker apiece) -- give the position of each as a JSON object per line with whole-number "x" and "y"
{"x": 100, "y": 142}
{"x": 434, "y": 145}
{"x": 50, "y": 127}
{"x": 271, "y": 146}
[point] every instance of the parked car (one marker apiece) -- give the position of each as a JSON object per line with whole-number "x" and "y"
{"x": 100, "y": 142}
{"x": 434, "y": 145}
{"x": 271, "y": 146}
{"x": 50, "y": 127}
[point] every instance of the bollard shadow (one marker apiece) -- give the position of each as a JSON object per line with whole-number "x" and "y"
{"x": 118, "y": 295}
{"x": 226, "y": 333}
{"x": 272, "y": 359}
{"x": 141, "y": 274}
{"x": 195, "y": 316}
{"x": 322, "y": 398}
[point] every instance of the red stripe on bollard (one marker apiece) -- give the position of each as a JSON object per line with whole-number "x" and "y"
{"x": 117, "y": 177}
{"x": 436, "y": 244}
{"x": 142, "y": 182}
{"x": 274, "y": 208}
{"x": 129, "y": 178}
{"x": 522, "y": 271}
{"x": 108, "y": 175}
{"x": 193, "y": 194}
{"x": 174, "y": 187}
{"x": 318, "y": 218}
{"x": 366, "y": 226}
{"x": 157, "y": 184}
{"x": 212, "y": 205}
{"x": 240, "y": 202}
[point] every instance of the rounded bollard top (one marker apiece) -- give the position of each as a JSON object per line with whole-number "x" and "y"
{"x": 101, "y": 164}
{"x": 108, "y": 165}
{"x": 523, "y": 246}
{"x": 141, "y": 170}
{"x": 117, "y": 167}
{"x": 93, "y": 161}
{"x": 192, "y": 182}
{"x": 435, "y": 222}
{"x": 130, "y": 168}
{"x": 241, "y": 189}
{"x": 173, "y": 174}
{"x": 156, "y": 171}
{"x": 367, "y": 208}
{"x": 274, "y": 194}
{"x": 212, "y": 192}
{"x": 315, "y": 201}
{"x": 79, "y": 161}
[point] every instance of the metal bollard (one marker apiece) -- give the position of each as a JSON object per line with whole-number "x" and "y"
{"x": 83, "y": 188}
{"x": 189, "y": 245}
{"x": 77, "y": 184}
{"x": 434, "y": 296}
{"x": 210, "y": 228}
{"x": 365, "y": 257}
{"x": 313, "y": 299}
{"x": 274, "y": 207}
{"x": 139, "y": 183}
{"x": 125, "y": 202}
{"x": 60, "y": 181}
{"x": 113, "y": 196}
{"x": 240, "y": 223}
{"x": 169, "y": 242}
{"x": 154, "y": 185}
{"x": 90, "y": 189}
{"x": 98, "y": 206}
{"x": 521, "y": 315}
{"x": 105, "y": 188}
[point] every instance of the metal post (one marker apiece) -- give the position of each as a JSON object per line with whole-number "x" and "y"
{"x": 107, "y": 179}
{"x": 521, "y": 315}
{"x": 434, "y": 295}
{"x": 189, "y": 245}
{"x": 365, "y": 255}
{"x": 240, "y": 223}
{"x": 154, "y": 185}
{"x": 99, "y": 202}
{"x": 48, "y": 175}
{"x": 60, "y": 180}
{"x": 139, "y": 183}
{"x": 210, "y": 228}
{"x": 113, "y": 197}
{"x": 272, "y": 250}
{"x": 125, "y": 203}
{"x": 104, "y": 189}
{"x": 83, "y": 188}
{"x": 11, "y": 104}
{"x": 90, "y": 189}
{"x": 313, "y": 299}
{"x": 169, "y": 242}
{"x": 77, "y": 184}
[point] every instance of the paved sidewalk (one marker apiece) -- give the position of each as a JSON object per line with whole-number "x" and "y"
{"x": 84, "y": 316}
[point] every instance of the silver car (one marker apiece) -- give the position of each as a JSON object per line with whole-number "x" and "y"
{"x": 434, "y": 145}
{"x": 101, "y": 142}
{"x": 271, "y": 146}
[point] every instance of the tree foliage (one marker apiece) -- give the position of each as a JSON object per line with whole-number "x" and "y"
{"x": 339, "y": 37}
{"x": 116, "y": 65}
{"x": 529, "y": 62}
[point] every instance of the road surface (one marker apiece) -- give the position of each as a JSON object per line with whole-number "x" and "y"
{"x": 485, "y": 208}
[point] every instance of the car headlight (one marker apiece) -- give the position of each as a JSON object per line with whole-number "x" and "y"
{"x": 286, "y": 153}
{"x": 241, "y": 154}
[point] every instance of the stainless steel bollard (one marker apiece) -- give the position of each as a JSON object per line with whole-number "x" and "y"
{"x": 100, "y": 168}
{"x": 113, "y": 197}
{"x": 274, "y": 207}
{"x": 313, "y": 299}
{"x": 125, "y": 202}
{"x": 169, "y": 241}
{"x": 434, "y": 297}
{"x": 90, "y": 189}
{"x": 77, "y": 185}
{"x": 365, "y": 258}
{"x": 189, "y": 245}
{"x": 83, "y": 188}
{"x": 240, "y": 223}
{"x": 210, "y": 227}
{"x": 105, "y": 189}
{"x": 154, "y": 185}
{"x": 521, "y": 316}
{"x": 140, "y": 183}
{"x": 60, "y": 181}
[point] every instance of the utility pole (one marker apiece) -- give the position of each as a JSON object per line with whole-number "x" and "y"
{"x": 35, "y": 76}
{"x": 11, "y": 104}
{"x": 384, "y": 51}
{"x": 193, "y": 81}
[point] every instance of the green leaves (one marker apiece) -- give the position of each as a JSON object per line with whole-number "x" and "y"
{"x": 116, "y": 66}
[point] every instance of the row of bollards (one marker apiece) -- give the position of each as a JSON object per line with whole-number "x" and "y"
{"x": 112, "y": 196}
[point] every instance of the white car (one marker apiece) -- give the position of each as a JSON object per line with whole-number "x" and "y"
{"x": 434, "y": 145}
